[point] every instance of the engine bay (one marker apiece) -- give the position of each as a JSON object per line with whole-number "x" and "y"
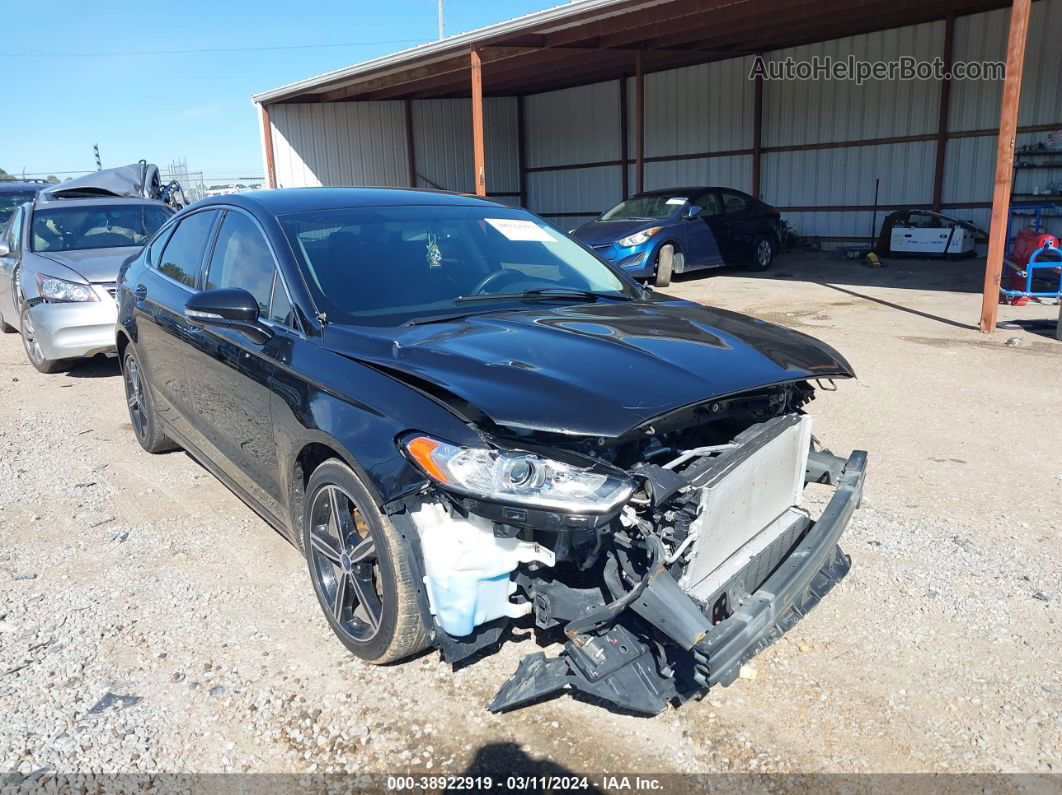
{"x": 638, "y": 592}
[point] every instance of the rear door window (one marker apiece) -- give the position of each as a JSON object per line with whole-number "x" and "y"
{"x": 709, "y": 204}
{"x": 183, "y": 253}
{"x": 734, "y": 202}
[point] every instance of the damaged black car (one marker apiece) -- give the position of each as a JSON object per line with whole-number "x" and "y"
{"x": 465, "y": 420}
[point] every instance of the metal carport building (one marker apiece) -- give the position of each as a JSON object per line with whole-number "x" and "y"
{"x": 568, "y": 110}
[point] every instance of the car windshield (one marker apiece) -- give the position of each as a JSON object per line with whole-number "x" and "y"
{"x": 10, "y": 200}
{"x": 83, "y": 227}
{"x": 646, "y": 206}
{"x": 387, "y": 265}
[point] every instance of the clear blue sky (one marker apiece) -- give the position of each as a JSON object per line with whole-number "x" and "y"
{"x": 64, "y": 91}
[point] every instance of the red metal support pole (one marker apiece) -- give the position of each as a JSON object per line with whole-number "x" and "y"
{"x": 639, "y": 123}
{"x": 942, "y": 114}
{"x": 624, "y": 145}
{"x": 521, "y": 149}
{"x": 1008, "y": 125}
{"x": 478, "y": 155}
{"x": 267, "y": 133}
{"x": 411, "y": 152}
{"x": 757, "y": 134}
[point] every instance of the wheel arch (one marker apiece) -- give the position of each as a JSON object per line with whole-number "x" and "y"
{"x": 670, "y": 241}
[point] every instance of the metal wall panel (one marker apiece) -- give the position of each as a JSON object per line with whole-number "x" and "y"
{"x": 364, "y": 143}
{"x": 734, "y": 171}
{"x": 707, "y": 108}
{"x": 846, "y": 176}
{"x": 568, "y": 222}
{"x": 575, "y": 125}
{"x": 442, "y": 142}
{"x": 577, "y": 190}
{"x": 822, "y": 111}
{"x": 983, "y": 37}
{"x": 339, "y": 143}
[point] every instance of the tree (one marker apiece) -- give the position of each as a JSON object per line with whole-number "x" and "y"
{"x": 52, "y": 179}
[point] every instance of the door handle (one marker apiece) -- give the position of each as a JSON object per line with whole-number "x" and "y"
{"x": 139, "y": 294}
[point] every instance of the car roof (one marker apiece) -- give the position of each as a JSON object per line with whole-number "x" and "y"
{"x": 96, "y": 201}
{"x": 11, "y": 186}
{"x": 292, "y": 200}
{"x": 688, "y": 189}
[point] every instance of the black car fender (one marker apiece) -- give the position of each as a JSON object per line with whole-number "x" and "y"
{"x": 312, "y": 417}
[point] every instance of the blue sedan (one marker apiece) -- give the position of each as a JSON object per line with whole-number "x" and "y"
{"x": 657, "y": 233}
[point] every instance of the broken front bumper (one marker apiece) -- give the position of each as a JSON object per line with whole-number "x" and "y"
{"x": 620, "y": 668}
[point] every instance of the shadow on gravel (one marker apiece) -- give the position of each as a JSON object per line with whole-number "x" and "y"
{"x": 97, "y": 367}
{"x": 500, "y": 760}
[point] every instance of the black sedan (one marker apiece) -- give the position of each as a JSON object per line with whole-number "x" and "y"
{"x": 463, "y": 418}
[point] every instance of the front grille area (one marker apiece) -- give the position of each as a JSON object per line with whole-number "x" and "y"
{"x": 111, "y": 288}
{"x": 763, "y": 565}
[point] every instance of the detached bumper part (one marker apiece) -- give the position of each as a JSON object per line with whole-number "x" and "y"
{"x": 619, "y": 667}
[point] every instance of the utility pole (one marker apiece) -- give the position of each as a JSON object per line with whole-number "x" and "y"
{"x": 440, "y": 19}
{"x": 96, "y": 151}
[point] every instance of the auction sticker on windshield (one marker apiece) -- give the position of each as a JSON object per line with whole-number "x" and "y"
{"x": 519, "y": 230}
{"x": 677, "y": 200}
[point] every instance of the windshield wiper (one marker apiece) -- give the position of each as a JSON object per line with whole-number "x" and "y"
{"x": 543, "y": 294}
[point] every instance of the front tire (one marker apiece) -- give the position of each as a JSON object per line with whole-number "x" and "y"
{"x": 665, "y": 263}
{"x": 142, "y": 416}
{"x": 762, "y": 253}
{"x": 33, "y": 349}
{"x": 6, "y": 327}
{"x": 360, "y": 568}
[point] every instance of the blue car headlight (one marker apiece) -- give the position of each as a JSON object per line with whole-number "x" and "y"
{"x": 638, "y": 237}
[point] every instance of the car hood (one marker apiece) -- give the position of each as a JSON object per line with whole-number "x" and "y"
{"x": 94, "y": 264}
{"x": 591, "y": 369}
{"x": 597, "y": 232}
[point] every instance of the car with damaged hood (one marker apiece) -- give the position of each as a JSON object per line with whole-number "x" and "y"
{"x": 59, "y": 258}
{"x": 464, "y": 419}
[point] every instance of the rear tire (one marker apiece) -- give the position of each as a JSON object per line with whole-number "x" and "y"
{"x": 142, "y": 416}
{"x": 664, "y": 266}
{"x": 33, "y": 348}
{"x": 762, "y": 253}
{"x": 360, "y": 568}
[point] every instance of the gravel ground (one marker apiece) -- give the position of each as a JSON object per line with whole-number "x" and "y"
{"x": 151, "y": 622}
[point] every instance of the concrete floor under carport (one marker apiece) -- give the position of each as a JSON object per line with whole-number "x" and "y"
{"x": 955, "y": 421}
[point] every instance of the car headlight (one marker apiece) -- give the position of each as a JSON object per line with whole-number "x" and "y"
{"x": 518, "y": 477}
{"x": 62, "y": 291}
{"x": 638, "y": 237}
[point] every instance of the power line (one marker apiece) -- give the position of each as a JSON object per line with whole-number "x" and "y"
{"x": 53, "y": 54}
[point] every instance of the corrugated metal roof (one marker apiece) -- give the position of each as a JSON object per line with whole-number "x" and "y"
{"x": 449, "y": 46}
{"x": 588, "y": 41}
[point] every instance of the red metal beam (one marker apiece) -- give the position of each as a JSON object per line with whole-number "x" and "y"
{"x": 267, "y": 132}
{"x": 639, "y": 124}
{"x": 942, "y": 114}
{"x": 1008, "y": 127}
{"x": 757, "y": 134}
{"x": 521, "y": 150}
{"x": 624, "y": 148}
{"x": 411, "y": 154}
{"x": 478, "y": 155}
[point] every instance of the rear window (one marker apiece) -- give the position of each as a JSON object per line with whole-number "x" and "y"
{"x": 86, "y": 227}
{"x": 9, "y": 200}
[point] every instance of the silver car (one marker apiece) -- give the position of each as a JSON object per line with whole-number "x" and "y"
{"x": 59, "y": 262}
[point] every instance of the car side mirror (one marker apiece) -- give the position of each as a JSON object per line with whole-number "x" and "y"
{"x": 228, "y": 307}
{"x": 691, "y": 213}
{"x": 4, "y": 250}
